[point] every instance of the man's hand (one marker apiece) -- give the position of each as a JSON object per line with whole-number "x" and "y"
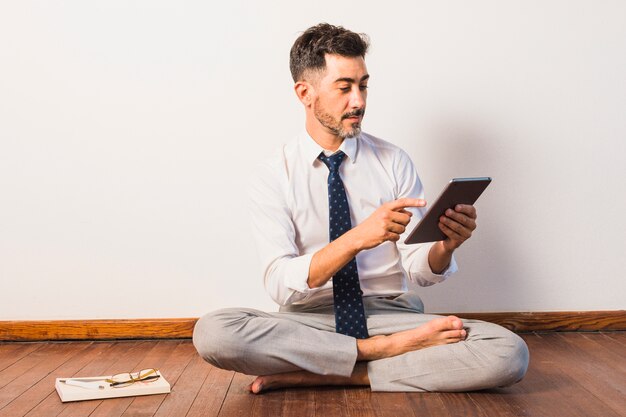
{"x": 458, "y": 225}
{"x": 387, "y": 223}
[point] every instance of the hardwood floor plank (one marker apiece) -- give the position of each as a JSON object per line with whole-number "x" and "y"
{"x": 499, "y": 402}
{"x": 56, "y": 355}
{"x": 172, "y": 368}
{"x": 210, "y": 398}
{"x": 567, "y": 391}
{"x": 611, "y": 342}
{"x": 460, "y": 404}
{"x": 427, "y": 404}
{"x": 268, "y": 404}
{"x": 238, "y": 401}
{"x": 52, "y": 406}
{"x": 359, "y": 402}
{"x": 21, "y": 366}
{"x": 184, "y": 392}
{"x": 618, "y": 336}
{"x": 603, "y": 352}
{"x": 330, "y": 401}
{"x": 45, "y": 387}
{"x": 299, "y": 402}
{"x": 13, "y": 352}
{"x": 392, "y": 404}
{"x": 589, "y": 370}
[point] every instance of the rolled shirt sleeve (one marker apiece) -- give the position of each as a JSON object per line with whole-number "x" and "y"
{"x": 415, "y": 262}
{"x": 415, "y": 256}
{"x": 285, "y": 271}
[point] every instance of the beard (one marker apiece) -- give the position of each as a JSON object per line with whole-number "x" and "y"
{"x": 336, "y": 126}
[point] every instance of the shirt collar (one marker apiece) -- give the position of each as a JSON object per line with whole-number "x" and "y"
{"x": 311, "y": 150}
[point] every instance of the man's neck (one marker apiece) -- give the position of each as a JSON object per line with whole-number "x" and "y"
{"x": 324, "y": 138}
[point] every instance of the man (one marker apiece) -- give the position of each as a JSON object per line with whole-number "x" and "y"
{"x": 330, "y": 212}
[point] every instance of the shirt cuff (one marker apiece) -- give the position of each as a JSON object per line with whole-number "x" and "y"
{"x": 295, "y": 286}
{"x": 424, "y": 275}
{"x": 297, "y": 273}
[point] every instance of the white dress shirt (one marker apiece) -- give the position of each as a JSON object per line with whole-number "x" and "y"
{"x": 289, "y": 213}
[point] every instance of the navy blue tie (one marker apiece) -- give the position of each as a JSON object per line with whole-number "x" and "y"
{"x": 347, "y": 294}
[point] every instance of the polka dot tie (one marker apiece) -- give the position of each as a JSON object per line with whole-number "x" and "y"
{"x": 347, "y": 294}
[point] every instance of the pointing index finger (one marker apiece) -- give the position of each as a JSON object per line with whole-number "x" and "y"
{"x": 402, "y": 203}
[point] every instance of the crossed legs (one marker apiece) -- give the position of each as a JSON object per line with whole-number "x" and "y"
{"x": 439, "y": 331}
{"x": 407, "y": 351}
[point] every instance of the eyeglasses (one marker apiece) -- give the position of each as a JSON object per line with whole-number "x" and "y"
{"x": 126, "y": 379}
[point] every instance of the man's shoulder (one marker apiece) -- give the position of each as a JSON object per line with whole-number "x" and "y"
{"x": 277, "y": 155}
{"x": 269, "y": 166}
{"x": 381, "y": 147}
{"x": 265, "y": 177}
{"x": 273, "y": 165}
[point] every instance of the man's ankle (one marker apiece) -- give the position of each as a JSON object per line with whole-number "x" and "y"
{"x": 373, "y": 348}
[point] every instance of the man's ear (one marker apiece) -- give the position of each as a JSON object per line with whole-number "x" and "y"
{"x": 304, "y": 91}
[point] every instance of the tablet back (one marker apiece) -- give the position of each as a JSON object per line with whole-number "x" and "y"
{"x": 458, "y": 191}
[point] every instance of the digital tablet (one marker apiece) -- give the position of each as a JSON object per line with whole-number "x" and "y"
{"x": 458, "y": 191}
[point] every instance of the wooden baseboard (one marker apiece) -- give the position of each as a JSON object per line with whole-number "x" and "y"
{"x": 182, "y": 328}
{"x": 555, "y": 321}
{"x": 178, "y": 328}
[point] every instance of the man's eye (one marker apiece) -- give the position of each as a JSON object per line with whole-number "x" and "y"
{"x": 345, "y": 89}
{"x": 363, "y": 87}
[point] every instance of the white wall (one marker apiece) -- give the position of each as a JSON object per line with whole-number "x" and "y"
{"x": 118, "y": 120}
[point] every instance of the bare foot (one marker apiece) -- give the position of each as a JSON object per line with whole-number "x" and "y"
{"x": 308, "y": 379}
{"x": 439, "y": 331}
{"x": 270, "y": 382}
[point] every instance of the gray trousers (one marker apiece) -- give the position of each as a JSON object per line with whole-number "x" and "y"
{"x": 303, "y": 338}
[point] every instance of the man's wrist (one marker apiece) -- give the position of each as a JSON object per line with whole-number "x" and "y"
{"x": 444, "y": 249}
{"x": 331, "y": 258}
{"x": 351, "y": 242}
{"x": 439, "y": 257}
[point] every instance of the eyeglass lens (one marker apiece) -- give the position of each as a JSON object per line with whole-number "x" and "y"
{"x": 126, "y": 379}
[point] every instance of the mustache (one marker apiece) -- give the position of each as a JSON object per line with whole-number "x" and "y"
{"x": 354, "y": 113}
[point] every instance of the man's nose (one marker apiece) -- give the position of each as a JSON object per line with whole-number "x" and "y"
{"x": 357, "y": 99}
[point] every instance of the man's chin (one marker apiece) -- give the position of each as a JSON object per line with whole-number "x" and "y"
{"x": 352, "y": 133}
{"x": 353, "y": 130}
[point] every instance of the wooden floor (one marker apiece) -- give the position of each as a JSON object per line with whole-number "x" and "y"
{"x": 571, "y": 374}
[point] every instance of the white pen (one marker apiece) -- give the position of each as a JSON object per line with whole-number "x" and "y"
{"x": 95, "y": 385}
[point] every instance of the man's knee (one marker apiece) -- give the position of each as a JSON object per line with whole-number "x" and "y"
{"x": 511, "y": 362}
{"x": 213, "y": 336}
{"x": 502, "y": 355}
{"x": 520, "y": 359}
